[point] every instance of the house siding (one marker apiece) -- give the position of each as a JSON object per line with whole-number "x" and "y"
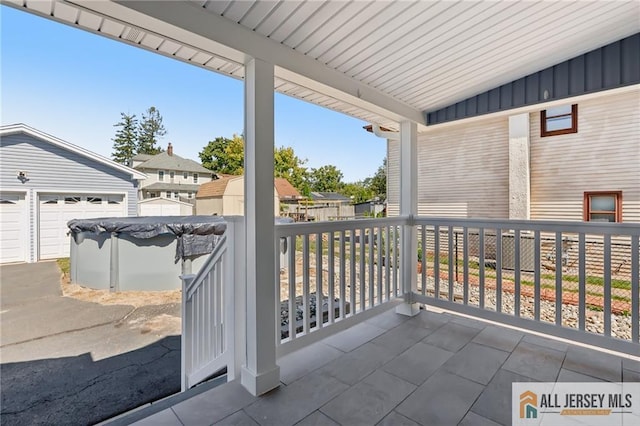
{"x": 54, "y": 169}
{"x": 462, "y": 171}
{"x": 463, "y": 168}
{"x": 563, "y": 167}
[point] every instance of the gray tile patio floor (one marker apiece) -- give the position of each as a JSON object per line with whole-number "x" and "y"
{"x": 432, "y": 369}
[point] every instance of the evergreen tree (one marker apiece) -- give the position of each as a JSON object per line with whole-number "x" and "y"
{"x": 150, "y": 129}
{"x": 124, "y": 143}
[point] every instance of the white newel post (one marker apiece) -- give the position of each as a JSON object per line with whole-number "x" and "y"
{"x": 260, "y": 373}
{"x": 409, "y": 208}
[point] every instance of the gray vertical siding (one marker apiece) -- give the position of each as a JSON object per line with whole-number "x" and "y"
{"x": 54, "y": 169}
{"x": 609, "y": 67}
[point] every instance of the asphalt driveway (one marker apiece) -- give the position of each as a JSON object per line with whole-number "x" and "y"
{"x": 66, "y": 361}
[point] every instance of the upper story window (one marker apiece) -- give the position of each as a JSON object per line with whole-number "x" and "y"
{"x": 171, "y": 175}
{"x": 185, "y": 175}
{"x": 559, "y": 120}
{"x": 176, "y": 195}
{"x": 195, "y": 178}
{"x": 160, "y": 175}
{"x": 603, "y": 206}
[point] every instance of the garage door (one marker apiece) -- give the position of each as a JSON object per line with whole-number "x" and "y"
{"x": 57, "y": 209}
{"x": 12, "y": 228}
{"x": 159, "y": 209}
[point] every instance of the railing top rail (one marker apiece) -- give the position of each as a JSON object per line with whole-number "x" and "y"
{"x": 290, "y": 229}
{"x": 535, "y": 225}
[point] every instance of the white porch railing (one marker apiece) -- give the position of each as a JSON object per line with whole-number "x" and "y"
{"x": 579, "y": 281}
{"x": 569, "y": 279}
{"x": 212, "y": 312}
{"x": 333, "y": 273}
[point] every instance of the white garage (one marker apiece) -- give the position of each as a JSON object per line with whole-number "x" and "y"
{"x": 45, "y": 183}
{"x": 55, "y": 210}
{"x": 12, "y": 227}
{"x": 164, "y": 207}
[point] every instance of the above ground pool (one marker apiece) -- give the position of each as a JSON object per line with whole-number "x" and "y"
{"x": 140, "y": 253}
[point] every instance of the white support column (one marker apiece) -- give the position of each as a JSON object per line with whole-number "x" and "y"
{"x": 409, "y": 207}
{"x": 519, "y": 167}
{"x": 260, "y": 374}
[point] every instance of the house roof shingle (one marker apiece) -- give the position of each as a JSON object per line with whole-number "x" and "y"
{"x": 166, "y": 186}
{"x": 215, "y": 188}
{"x": 286, "y": 190}
{"x": 164, "y": 161}
{"x": 329, "y": 196}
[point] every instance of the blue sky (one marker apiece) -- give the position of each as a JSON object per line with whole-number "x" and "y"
{"x": 73, "y": 85}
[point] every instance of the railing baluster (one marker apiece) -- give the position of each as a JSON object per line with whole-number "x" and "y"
{"x": 352, "y": 276}
{"x": 558, "y": 303}
{"x": 379, "y": 264}
{"x": 363, "y": 271}
{"x": 499, "y": 270}
{"x": 582, "y": 281}
{"x": 319, "y": 289}
{"x": 607, "y": 285}
{"x": 331, "y": 283}
{"x": 219, "y": 308}
{"x": 536, "y": 275}
{"x": 481, "y": 262}
{"x": 370, "y": 241}
{"x": 516, "y": 262}
{"x": 397, "y": 243}
{"x": 423, "y": 246}
{"x": 292, "y": 286}
{"x": 343, "y": 274}
{"x": 387, "y": 263}
{"x": 635, "y": 289}
{"x": 451, "y": 260}
{"x": 436, "y": 262}
{"x": 278, "y": 282}
{"x": 306, "y": 311}
{"x": 465, "y": 261}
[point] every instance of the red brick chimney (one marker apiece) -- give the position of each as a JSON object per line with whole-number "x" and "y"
{"x": 169, "y": 149}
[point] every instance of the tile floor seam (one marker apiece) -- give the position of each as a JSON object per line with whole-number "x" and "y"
{"x": 177, "y": 417}
{"x": 493, "y": 347}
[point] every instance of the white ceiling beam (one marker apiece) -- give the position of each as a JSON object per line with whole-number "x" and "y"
{"x": 191, "y": 24}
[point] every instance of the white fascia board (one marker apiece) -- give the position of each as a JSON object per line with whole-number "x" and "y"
{"x": 188, "y": 23}
{"x": 23, "y": 128}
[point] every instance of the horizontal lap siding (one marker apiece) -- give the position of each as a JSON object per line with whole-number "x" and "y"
{"x": 53, "y": 169}
{"x": 603, "y": 156}
{"x": 463, "y": 171}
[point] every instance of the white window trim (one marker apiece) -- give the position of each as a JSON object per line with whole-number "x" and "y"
{"x": 163, "y": 173}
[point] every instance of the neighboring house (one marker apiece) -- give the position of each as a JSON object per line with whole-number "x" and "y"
{"x": 225, "y": 196}
{"x": 482, "y": 158}
{"x": 170, "y": 177}
{"x": 45, "y": 182}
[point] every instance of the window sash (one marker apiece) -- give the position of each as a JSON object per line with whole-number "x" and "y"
{"x": 555, "y": 121}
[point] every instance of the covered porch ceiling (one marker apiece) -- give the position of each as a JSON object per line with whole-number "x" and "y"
{"x": 382, "y": 61}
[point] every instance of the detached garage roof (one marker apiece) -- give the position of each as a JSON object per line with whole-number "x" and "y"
{"x": 215, "y": 188}
{"x": 20, "y": 128}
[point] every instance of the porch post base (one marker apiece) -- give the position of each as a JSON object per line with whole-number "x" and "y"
{"x": 408, "y": 309}
{"x": 258, "y": 384}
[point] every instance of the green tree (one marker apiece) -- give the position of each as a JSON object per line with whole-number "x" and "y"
{"x": 150, "y": 129}
{"x": 326, "y": 179}
{"x": 289, "y": 166}
{"x": 124, "y": 143}
{"x": 377, "y": 184}
{"x": 224, "y": 155}
{"x": 357, "y": 191}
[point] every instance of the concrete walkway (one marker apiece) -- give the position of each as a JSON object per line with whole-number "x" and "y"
{"x": 66, "y": 361}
